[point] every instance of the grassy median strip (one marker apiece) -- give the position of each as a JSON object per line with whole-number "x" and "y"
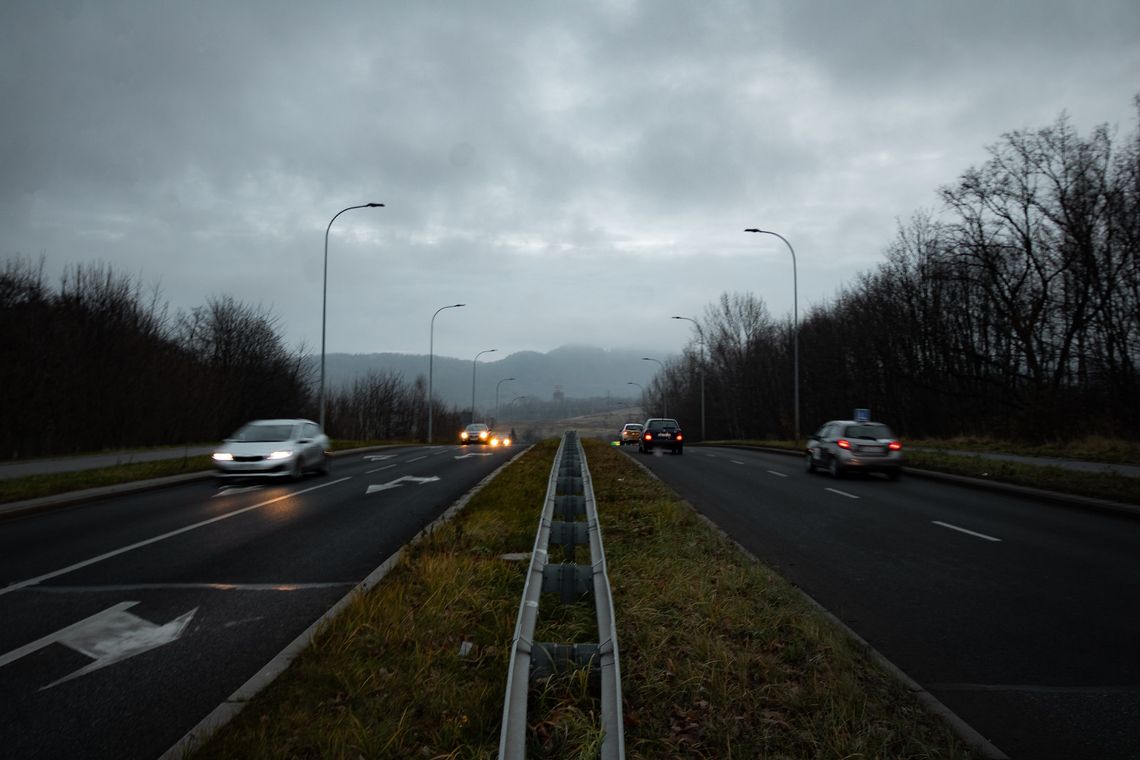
{"x": 720, "y": 657}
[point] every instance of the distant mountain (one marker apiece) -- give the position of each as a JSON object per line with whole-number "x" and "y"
{"x": 578, "y": 371}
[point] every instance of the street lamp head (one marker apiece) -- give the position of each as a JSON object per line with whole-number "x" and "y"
{"x": 374, "y": 205}
{"x": 456, "y": 306}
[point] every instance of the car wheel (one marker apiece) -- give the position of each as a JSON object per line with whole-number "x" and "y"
{"x": 326, "y": 465}
{"x": 680, "y": 450}
{"x": 810, "y": 463}
{"x": 894, "y": 474}
{"x": 835, "y": 469}
{"x": 296, "y": 472}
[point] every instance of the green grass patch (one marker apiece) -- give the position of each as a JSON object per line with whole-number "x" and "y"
{"x": 1098, "y": 485}
{"x": 35, "y": 486}
{"x": 720, "y": 657}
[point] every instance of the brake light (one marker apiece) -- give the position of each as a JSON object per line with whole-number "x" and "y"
{"x": 677, "y": 437}
{"x": 894, "y": 446}
{"x": 843, "y": 443}
{"x": 647, "y": 437}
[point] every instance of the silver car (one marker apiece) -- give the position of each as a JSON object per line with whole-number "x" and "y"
{"x": 273, "y": 448}
{"x": 843, "y": 446}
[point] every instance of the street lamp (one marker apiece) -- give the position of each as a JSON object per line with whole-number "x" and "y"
{"x": 473, "y": 366}
{"x": 795, "y": 325}
{"x": 431, "y": 358}
{"x": 664, "y": 395}
{"x": 702, "y": 334}
{"x": 639, "y": 386}
{"x": 497, "y": 385}
{"x": 324, "y": 300}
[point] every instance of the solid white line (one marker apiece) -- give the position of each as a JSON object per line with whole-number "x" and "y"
{"x": 378, "y": 469}
{"x": 204, "y": 586}
{"x": 842, "y": 493}
{"x": 778, "y": 474}
{"x": 123, "y": 550}
{"x": 967, "y": 532}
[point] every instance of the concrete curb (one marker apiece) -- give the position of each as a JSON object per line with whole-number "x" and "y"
{"x": 964, "y": 730}
{"x": 197, "y": 736}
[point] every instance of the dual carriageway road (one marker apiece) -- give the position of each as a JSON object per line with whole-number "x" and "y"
{"x": 1020, "y": 617}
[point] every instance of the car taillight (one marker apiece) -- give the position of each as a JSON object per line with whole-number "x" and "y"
{"x": 843, "y": 443}
{"x": 647, "y": 437}
{"x": 677, "y": 437}
{"x": 894, "y": 446}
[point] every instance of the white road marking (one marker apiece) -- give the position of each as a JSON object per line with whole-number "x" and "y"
{"x": 107, "y": 637}
{"x": 967, "y": 532}
{"x": 378, "y": 469}
{"x": 400, "y": 481}
{"x": 231, "y": 490}
{"x": 378, "y": 457}
{"x": 417, "y": 459}
{"x": 842, "y": 493}
{"x": 140, "y": 544}
{"x": 736, "y": 461}
{"x": 778, "y": 474}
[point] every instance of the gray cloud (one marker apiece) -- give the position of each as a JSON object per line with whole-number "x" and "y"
{"x": 576, "y": 174}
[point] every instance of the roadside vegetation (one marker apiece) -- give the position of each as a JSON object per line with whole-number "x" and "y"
{"x": 720, "y": 657}
{"x": 956, "y": 456}
{"x": 36, "y": 486}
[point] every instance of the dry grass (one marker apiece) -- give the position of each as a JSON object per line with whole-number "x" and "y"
{"x": 720, "y": 658}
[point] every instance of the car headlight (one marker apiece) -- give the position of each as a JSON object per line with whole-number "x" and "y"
{"x": 283, "y": 454}
{"x": 223, "y": 456}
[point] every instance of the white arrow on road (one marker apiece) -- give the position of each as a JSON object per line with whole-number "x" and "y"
{"x": 399, "y": 482}
{"x": 108, "y": 637}
{"x": 478, "y": 454}
{"x": 378, "y": 457}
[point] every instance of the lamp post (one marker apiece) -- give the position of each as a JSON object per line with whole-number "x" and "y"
{"x": 795, "y": 326}
{"x": 474, "y": 364}
{"x": 664, "y": 395}
{"x": 497, "y": 386}
{"x": 702, "y": 334}
{"x": 324, "y": 301}
{"x": 639, "y": 386}
{"x": 431, "y": 358}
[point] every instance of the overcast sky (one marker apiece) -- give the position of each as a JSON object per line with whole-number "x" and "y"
{"x": 576, "y": 173}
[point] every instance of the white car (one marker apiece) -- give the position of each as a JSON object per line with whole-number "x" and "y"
{"x": 275, "y": 449}
{"x": 843, "y": 446}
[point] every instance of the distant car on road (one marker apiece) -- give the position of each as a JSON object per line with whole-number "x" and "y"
{"x": 273, "y": 449}
{"x": 661, "y": 433}
{"x": 630, "y": 433}
{"x": 476, "y": 432}
{"x": 842, "y": 446}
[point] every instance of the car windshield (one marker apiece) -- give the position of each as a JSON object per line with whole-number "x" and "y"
{"x": 263, "y": 433}
{"x": 875, "y": 431}
{"x": 476, "y": 428}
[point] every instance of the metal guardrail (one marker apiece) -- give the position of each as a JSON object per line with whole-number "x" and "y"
{"x": 569, "y": 495}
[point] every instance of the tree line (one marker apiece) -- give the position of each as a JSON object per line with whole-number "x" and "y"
{"x": 1012, "y": 311}
{"x": 99, "y": 362}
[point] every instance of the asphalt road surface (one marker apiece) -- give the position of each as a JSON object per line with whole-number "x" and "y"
{"x": 1021, "y": 617}
{"x": 127, "y": 620}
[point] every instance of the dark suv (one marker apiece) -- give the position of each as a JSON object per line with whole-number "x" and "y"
{"x": 843, "y": 446}
{"x": 661, "y": 433}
